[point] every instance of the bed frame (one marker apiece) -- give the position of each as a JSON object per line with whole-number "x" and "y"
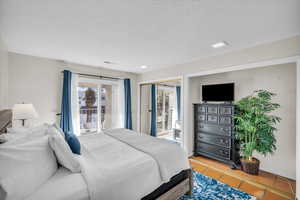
{"x": 179, "y": 184}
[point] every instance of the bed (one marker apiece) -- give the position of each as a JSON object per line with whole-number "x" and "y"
{"x": 118, "y": 164}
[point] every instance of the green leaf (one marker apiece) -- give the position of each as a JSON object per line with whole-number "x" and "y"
{"x": 255, "y": 127}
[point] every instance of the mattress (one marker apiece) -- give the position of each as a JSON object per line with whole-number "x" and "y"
{"x": 64, "y": 185}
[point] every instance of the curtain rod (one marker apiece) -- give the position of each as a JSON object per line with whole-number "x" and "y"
{"x": 97, "y": 76}
{"x": 162, "y": 82}
{"x": 172, "y": 86}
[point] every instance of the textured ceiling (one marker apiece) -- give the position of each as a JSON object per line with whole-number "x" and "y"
{"x": 131, "y": 33}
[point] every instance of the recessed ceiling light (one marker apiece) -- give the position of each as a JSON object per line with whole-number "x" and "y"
{"x": 219, "y": 44}
{"x": 144, "y": 67}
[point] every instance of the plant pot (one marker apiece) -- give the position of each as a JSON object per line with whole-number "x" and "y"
{"x": 250, "y": 166}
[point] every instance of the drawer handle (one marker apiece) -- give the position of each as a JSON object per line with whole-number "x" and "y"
{"x": 224, "y": 129}
{"x": 223, "y": 141}
{"x": 222, "y": 152}
{"x": 201, "y": 126}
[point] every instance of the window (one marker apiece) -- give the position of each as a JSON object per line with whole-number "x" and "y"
{"x": 88, "y": 108}
{"x": 96, "y": 107}
{"x": 165, "y": 110}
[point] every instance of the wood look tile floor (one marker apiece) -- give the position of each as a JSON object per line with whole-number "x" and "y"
{"x": 265, "y": 186}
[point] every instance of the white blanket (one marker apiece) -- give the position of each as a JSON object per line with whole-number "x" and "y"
{"x": 169, "y": 156}
{"x": 113, "y": 170}
{"x": 122, "y": 164}
{"x": 63, "y": 185}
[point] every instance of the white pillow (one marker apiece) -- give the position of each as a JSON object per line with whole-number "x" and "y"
{"x": 38, "y": 130}
{"x": 11, "y": 137}
{"x": 26, "y": 164}
{"x": 62, "y": 150}
{"x": 60, "y": 130}
{"x": 17, "y": 130}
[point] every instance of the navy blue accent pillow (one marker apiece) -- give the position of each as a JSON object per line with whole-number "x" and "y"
{"x": 73, "y": 142}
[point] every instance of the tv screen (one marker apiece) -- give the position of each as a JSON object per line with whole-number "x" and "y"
{"x": 219, "y": 92}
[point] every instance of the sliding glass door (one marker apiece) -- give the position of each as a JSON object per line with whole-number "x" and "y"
{"x": 166, "y": 105}
{"x": 105, "y": 105}
{"x": 165, "y": 110}
{"x": 88, "y": 95}
{"x": 96, "y": 106}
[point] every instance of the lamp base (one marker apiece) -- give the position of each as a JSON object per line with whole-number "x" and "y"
{"x": 23, "y": 122}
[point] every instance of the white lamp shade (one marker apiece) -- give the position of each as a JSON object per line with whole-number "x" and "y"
{"x": 24, "y": 111}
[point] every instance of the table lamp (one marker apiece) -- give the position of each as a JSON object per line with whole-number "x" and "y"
{"x": 24, "y": 112}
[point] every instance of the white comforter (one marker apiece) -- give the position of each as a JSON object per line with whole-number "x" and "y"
{"x": 115, "y": 171}
{"x": 64, "y": 185}
{"x": 116, "y": 165}
{"x": 170, "y": 158}
{"x": 122, "y": 164}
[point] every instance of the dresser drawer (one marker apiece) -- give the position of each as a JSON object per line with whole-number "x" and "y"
{"x": 212, "y": 109}
{"x": 202, "y": 109}
{"x": 213, "y": 150}
{"x": 212, "y": 118}
{"x": 212, "y": 139}
{"x": 201, "y": 117}
{"x": 226, "y": 110}
{"x": 226, "y": 120}
{"x": 215, "y": 129}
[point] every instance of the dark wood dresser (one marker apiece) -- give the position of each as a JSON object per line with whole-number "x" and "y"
{"x": 214, "y": 132}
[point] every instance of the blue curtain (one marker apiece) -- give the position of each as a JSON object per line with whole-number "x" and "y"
{"x": 128, "y": 116}
{"x": 178, "y": 96}
{"x": 153, "y": 111}
{"x": 66, "y": 117}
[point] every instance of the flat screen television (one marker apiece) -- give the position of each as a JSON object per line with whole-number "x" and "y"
{"x": 218, "y": 92}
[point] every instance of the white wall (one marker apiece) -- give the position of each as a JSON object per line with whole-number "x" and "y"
{"x": 298, "y": 130}
{"x": 280, "y": 79}
{"x": 265, "y": 52}
{"x": 3, "y": 74}
{"x": 39, "y": 81}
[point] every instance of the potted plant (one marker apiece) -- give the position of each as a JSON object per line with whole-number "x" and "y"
{"x": 255, "y": 127}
